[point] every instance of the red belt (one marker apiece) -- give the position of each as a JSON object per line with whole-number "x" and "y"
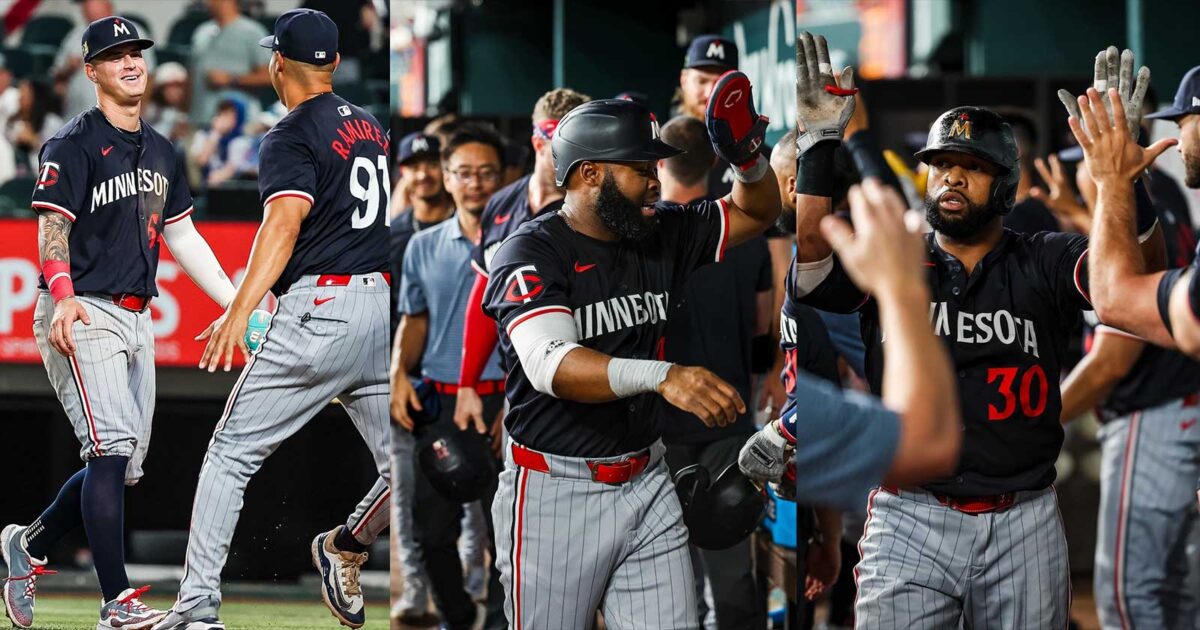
{"x": 969, "y": 505}
{"x": 127, "y": 301}
{"x": 336, "y": 280}
{"x": 603, "y": 472}
{"x": 483, "y": 388}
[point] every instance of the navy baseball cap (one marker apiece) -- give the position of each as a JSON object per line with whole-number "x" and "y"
{"x": 110, "y": 31}
{"x": 1187, "y": 99}
{"x": 417, "y": 145}
{"x": 712, "y": 51}
{"x": 304, "y": 35}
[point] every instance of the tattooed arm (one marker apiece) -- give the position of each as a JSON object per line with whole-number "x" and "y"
{"x": 55, "y": 254}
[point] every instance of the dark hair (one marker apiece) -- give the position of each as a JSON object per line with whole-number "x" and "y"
{"x": 693, "y": 165}
{"x": 45, "y": 101}
{"x": 481, "y": 133}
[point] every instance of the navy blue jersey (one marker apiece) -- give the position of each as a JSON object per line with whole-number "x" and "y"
{"x": 1007, "y": 325}
{"x": 710, "y": 325}
{"x": 118, "y": 189}
{"x": 806, "y": 345}
{"x": 1157, "y": 377}
{"x": 503, "y": 214}
{"x": 620, "y": 296}
{"x": 334, "y": 155}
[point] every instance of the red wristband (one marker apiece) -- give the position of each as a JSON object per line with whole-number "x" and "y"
{"x": 479, "y": 336}
{"x": 58, "y": 279}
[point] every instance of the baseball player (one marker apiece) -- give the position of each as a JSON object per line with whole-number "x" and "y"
{"x": 322, "y": 249}
{"x": 110, "y": 189}
{"x": 420, "y": 166}
{"x": 1160, "y": 307}
{"x": 1005, "y": 305}
{"x": 583, "y": 295}
{"x": 512, "y": 206}
{"x": 433, "y": 300}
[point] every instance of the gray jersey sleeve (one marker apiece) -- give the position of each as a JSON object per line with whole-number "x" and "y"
{"x": 845, "y": 442}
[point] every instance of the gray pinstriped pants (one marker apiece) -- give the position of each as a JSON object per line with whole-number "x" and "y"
{"x": 107, "y": 388}
{"x": 567, "y": 546}
{"x": 314, "y": 351}
{"x": 925, "y": 565}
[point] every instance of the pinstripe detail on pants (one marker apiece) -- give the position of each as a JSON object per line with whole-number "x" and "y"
{"x": 1123, "y": 519}
{"x": 87, "y": 407}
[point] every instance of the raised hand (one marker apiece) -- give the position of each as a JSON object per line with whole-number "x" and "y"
{"x": 1115, "y": 70}
{"x": 1059, "y": 194}
{"x": 823, "y": 105}
{"x": 1111, "y": 152}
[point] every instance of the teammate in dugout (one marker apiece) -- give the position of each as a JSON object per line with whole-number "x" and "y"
{"x": 507, "y": 210}
{"x": 1160, "y": 307}
{"x": 583, "y": 294}
{"x": 1005, "y": 305}
{"x": 322, "y": 249}
{"x": 110, "y": 190}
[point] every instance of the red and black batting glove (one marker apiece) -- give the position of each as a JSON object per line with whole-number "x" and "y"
{"x": 735, "y": 128}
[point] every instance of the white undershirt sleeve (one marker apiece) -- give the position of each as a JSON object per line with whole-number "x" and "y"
{"x": 198, "y": 261}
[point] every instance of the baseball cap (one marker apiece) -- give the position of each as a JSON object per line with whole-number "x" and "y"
{"x": 110, "y": 31}
{"x": 418, "y": 145}
{"x": 712, "y": 51}
{"x": 304, "y": 35}
{"x": 171, "y": 72}
{"x": 1187, "y": 99}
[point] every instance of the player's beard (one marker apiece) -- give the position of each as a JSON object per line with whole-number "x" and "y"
{"x": 967, "y": 226}
{"x": 1191, "y": 170}
{"x": 621, "y": 215}
{"x": 786, "y": 222}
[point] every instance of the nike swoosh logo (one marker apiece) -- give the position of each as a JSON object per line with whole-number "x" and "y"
{"x": 320, "y": 301}
{"x": 582, "y": 268}
{"x": 503, "y": 218}
{"x": 105, "y": 152}
{"x": 1187, "y": 424}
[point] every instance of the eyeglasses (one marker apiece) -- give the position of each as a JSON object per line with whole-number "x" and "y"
{"x": 483, "y": 175}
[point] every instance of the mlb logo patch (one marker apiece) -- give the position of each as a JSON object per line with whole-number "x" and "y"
{"x": 320, "y": 54}
{"x": 344, "y": 110}
{"x": 369, "y": 281}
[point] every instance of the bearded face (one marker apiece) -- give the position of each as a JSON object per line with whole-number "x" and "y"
{"x": 958, "y": 199}
{"x": 628, "y": 218}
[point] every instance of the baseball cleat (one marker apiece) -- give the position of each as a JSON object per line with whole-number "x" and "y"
{"x": 203, "y": 616}
{"x": 339, "y": 579}
{"x": 20, "y": 587}
{"x": 127, "y": 612}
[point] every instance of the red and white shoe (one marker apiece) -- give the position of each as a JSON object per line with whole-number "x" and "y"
{"x": 127, "y": 612}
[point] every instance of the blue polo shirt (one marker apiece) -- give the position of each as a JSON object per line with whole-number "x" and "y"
{"x": 437, "y": 279}
{"x": 845, "y": 442}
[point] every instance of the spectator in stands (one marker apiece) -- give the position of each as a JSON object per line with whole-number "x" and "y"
{"x": 10, "y": 99}
{"x": 168, "y": 108}
{"x": 210, "y": 148}
{"x": 240, "y": 64}
{"x": 79, "y": 94}
{"x": 243, "y": 150}
{"x": 358, "y": 21}
{"x": 36, "y": 119}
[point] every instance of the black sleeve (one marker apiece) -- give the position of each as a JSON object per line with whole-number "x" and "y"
{"x": 1166, "y": 285}
{"x": 287, "y": 168}
{"x": 698, "y": 232}
{"x": 837, "y": 293}
{"x": 179, "y": 202}
{"x": 868, "y": 157}
{"x": 478, "y": 260}
{"x": 63, "y": 178}
{"x": 1063, "y": 259}
{"x": 528, "y": 279}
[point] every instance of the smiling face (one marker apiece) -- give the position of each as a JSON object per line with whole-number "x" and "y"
{"x": 957, "y": 199}
{"x": 471, "y": 175}
{"x": 626, "y": 196}
{"x": 695, "y": 85}
{"x": 424, "y": 177}
{"x": 120, "y": 73}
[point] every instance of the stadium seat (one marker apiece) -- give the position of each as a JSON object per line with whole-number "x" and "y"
{"x": 46, "y": 30}
{"x": 20, "y": 62}
{"x": 183, "y": 28}
{"x": 268, "y": 22}
{"x": 171, "y": 52}
{"x": 15, "y": 195}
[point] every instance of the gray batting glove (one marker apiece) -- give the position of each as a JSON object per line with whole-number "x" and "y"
{"x": 823, "y": 105}
{"x": 1115, "y": 71}
{"x": 764, "y": 457}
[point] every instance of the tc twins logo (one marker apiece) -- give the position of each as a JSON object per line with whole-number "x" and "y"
{"x": 523, "y": 285}
{"x": 48, "y": 176}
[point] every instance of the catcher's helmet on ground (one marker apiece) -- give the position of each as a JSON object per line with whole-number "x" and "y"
{"x": 458, "y": 464}
{"x": 610, "y": 130}
{"x": 721, "y": 514}
{"x": 984, "y": 134}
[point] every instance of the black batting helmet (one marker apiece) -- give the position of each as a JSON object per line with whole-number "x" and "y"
{"x": 458, "y": 464}
{"x": 721, "y": 514}
{"x": 610, "y": 130}
{"x": 984, "y": 134}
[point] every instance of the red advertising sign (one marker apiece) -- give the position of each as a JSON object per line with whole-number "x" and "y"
{"x": 180, "y": 312}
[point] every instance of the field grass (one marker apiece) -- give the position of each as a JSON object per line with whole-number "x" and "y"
{"x": 67, "y": 612}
